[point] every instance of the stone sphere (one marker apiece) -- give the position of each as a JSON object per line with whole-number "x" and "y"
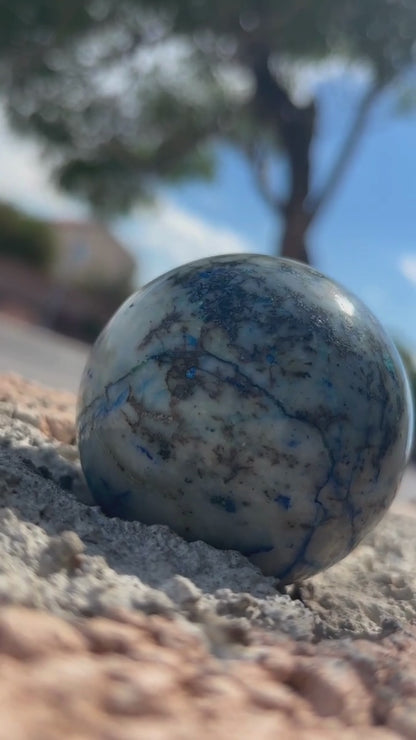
{"x": 249, "y": 402}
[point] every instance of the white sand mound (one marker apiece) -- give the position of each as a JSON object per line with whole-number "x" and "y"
{"x": 60, "y": 554}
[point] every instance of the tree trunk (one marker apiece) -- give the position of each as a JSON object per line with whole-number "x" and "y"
{"x": 293, "y": 243}
{"x": 295, "y": 127}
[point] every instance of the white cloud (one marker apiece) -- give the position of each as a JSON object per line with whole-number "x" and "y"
{"x": 167, "y": 236}
{"x": 24, "y": 177}
{"x": 407, "y": 266}
{"x": 305, "y": 78}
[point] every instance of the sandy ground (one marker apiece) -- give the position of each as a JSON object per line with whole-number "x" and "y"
{"x": 61, "y": 556}
{"x": 47, "y": 516}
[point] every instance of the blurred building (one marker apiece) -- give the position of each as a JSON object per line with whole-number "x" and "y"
{"x": 88, "y": 255}
{"x": 89, "y": 277}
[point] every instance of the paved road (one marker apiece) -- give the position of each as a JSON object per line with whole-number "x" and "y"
{"x": 57, "y": 362}
{"x": 41, "y": 355}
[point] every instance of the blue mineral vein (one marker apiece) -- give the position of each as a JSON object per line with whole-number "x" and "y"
{"x": 225, "y": 502}
{"x": 145, "y": 451}
{"x": 115, "y": 399}
{"x": 284, "y": 501}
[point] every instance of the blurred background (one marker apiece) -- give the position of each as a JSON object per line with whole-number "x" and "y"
{"x": 136, "y": 135}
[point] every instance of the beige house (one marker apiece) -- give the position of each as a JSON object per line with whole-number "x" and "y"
{"x": 87, "y": 254}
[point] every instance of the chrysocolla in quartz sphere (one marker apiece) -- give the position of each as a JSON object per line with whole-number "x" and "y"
{"x": 252, "y": 403}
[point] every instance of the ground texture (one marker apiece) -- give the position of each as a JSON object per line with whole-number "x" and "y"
{"x": 110, "y": 629}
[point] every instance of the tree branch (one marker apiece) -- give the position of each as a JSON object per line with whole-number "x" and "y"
{"x": 293, "y": 124}
{"x": 257, "y": 159}
{"x": 346, "y": 151}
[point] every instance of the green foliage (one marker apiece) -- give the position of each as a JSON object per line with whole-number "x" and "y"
{"x": 128, "y": 93}
{"x": 25, "y": 239}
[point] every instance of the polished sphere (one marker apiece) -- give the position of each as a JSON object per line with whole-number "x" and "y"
{"x": 249, "y": 402}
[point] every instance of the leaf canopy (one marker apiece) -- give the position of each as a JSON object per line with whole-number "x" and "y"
{"x": 124, "y": 93}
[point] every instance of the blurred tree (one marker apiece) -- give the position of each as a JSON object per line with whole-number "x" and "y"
{"x": 128, "y": 92}
{"x": 25, "y": 239}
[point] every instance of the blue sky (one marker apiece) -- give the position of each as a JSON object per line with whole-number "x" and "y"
{"x": 365, "y": 238}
